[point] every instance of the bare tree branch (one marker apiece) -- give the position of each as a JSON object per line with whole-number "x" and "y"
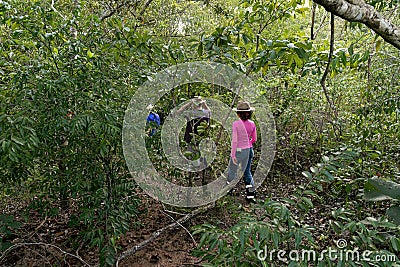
{"x": 359, "y": 11}
{"x": 113, "y": 11}
{"x": 55, "y": 10}
{"x": 41, "y": 244}
{"x": 325, "y": 75}
{"x": 313, "y": 10}
{"x": 145, "y": 7}
{"x": 183, "y": 227}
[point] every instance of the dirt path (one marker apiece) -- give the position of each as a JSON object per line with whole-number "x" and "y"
{"x": 172, "y": 248}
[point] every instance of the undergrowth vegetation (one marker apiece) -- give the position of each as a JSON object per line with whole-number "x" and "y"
{"x": 68, "y": 70}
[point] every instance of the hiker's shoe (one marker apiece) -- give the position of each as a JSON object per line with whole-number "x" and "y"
{"x": 251, "y": 195}
{"x": 248, "y": 188}
{"x": 231, "y": 192}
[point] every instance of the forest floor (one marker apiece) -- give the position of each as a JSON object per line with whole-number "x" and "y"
{"x": 171, "y": 248}
{"x": 174, "y": 247}
{"x": 48, "y": 241}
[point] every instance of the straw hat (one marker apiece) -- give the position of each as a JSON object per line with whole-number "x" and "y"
{"x": 243, "y": 106}
{"x": 197, "y": 100}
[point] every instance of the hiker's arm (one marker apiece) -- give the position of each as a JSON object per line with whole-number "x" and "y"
{"x": 253, "y": 135}
{"x": 234, "y": 142}
{"x": 204, "y": 105}
{"x": 183, "y": 108}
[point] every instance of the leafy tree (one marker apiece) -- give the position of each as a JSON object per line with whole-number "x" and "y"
{"x": 68, "y": 70}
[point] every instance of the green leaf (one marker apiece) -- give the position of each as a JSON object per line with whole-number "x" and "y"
{"x": 336, "y": 226}
{"x": 200, "y": 49}
{"x": 351, "y": 50}
{"x": 187, "y": 154}
{"x": 378, "y": 45}
{"x": 213, "y": 244}
{"x": 203, "y": 240}
{"x": 378, "y": 189}
{"x": 395, "y": 243}
{"x": 14, "y": 225}
{"x": 343, "y": 58}
{"x": 307, "y": 174}
{"x": 90, "y": 54}
{"x": 246, "y": 39}
{"x": 275, "y": 239}
{"x": 394, "y": 213}
{"x": 4, "y": 245}
{"x": 18, "y": 140}
{"x": 328, "y": 175}
{"x": 6, "y": 219}
{"x": 308, "y": 202}
{"x": 301, "y": 53}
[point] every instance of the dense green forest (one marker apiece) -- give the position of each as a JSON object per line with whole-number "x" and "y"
{"x": 328, "y": 69}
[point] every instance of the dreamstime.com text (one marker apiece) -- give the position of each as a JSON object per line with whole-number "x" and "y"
{"x": 339, "y": 253}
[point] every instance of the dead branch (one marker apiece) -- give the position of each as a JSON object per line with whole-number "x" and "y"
{"x": 41, "y": 224}
{"x": 41, "y": 244}
{"x": 174, "y": 212}
{"x": 121, "y": 5}
{"x": 157, "y": 233}
{"x": 325, "y": 75}
{"x": 55, "y": 10}
{"x": 148, "y": 2}
{"x": 313, "y": 11}
{"x": 183, "y": 227}
{"x": 113, "y": 11}
{"x": 321, "y": 25}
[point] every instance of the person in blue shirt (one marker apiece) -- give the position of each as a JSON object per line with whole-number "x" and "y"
{"x": 153, "y": 121}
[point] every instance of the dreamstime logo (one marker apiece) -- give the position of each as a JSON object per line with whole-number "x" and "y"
{"x": 133, "y": 134}
{"x": 340, "y": 253}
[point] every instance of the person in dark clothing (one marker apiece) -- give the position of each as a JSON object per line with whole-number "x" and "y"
{"x": 196, "y": 112}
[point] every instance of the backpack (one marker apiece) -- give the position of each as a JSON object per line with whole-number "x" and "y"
{"x": 152, "y": 119}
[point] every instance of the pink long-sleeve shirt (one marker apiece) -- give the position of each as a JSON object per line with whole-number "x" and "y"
{"x": 244, "y": 135}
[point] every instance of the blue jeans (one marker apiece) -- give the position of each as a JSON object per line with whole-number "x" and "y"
{"x": 244, "y": 158}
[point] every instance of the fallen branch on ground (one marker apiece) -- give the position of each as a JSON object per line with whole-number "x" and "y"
{"x": 184, "y": 228}
{"x": 157, "y": 233}
{"x": 41, "y": 244}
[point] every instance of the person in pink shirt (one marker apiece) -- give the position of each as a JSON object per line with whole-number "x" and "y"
{"x": 244, "y": 135}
